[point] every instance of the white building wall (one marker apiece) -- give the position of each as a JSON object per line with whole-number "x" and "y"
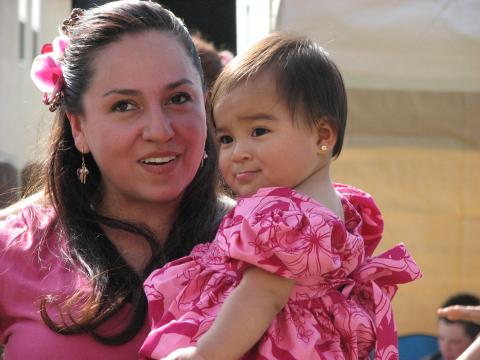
{"x": 23, "y": 115}
{"x": 255, "y": 20}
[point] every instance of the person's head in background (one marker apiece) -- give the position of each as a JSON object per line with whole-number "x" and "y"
{"x": 455, "y": 336}
{"x": 132, "y": 109}
{"x": 29, "y": 178}
{"x": 284, "y": 76}
{"x": 8, "y": 184}
{"x": 209, "y": 56}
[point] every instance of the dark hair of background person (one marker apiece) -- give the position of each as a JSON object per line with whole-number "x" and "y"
{"x": 471, "y": 329}
{"x": 8, "y": 184}
{"x": 30, "y": 179}
{"x": 209, "y": 57}
{"x": 114, "y": 283}
{"x": 307, "y": 79}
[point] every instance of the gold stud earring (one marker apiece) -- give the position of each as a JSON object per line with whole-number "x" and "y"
{"x": 82, "y": 172}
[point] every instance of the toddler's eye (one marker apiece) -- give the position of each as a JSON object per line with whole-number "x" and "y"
{"x": 225, "y": 139}
{"x": 259, "y": 132}
{"x": 123, "y": 106}
{"x": 180, "y": 98}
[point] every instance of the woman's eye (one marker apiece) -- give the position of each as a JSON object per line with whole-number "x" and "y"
{"x": 123, "y": 106}
{"x": 180, "y": 98}
{"x": 259, "y": 132}
{"x": 225, "y": 139}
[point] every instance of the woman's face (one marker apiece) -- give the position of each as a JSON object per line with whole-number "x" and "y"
{"x": 143, "y": 120}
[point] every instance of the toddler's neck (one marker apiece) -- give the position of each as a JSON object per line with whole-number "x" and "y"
{"x": 320, "y": 187}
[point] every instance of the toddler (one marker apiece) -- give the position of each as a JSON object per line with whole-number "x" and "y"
{"x": 290, "y": 273}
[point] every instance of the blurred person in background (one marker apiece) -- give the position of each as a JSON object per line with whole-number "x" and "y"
{"x": 456, "y": 330}
{"x": 8, "y": 184}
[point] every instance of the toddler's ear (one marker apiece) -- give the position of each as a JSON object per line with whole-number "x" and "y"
{"x": 76, "y": 124}
{"x": 327, "y": 136}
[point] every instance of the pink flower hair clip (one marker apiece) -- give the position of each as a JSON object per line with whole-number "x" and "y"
{"x": 46, "y": 72}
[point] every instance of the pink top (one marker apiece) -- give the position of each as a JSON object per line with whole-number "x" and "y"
{"x": 26, "y": 275}
{"x": 340, "y": 305}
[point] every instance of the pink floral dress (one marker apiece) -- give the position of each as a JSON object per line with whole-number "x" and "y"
{"x": 340, "y": 305}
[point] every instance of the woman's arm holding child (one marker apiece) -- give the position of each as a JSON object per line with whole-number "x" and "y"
{"x": 243, "y": 319}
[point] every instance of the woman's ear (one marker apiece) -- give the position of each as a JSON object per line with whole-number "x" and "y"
{"x": 327, "y": 136}
{"x": 76, "y": 124}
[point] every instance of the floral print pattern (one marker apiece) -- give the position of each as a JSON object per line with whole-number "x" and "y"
{"x": 340, "y": 307}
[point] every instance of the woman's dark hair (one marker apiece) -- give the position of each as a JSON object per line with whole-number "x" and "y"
{"x": 306, "y": 77}
{"x": 114, "y": 283}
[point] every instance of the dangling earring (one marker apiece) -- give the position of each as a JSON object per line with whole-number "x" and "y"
{"x": 205, "y": 156}
{"x": 82, "y": 172}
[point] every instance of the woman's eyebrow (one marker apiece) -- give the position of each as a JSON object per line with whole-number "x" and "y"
{"x": 129, "y": 92}
{"x": 179, "y": 83}
{"x": 132, "y": 92}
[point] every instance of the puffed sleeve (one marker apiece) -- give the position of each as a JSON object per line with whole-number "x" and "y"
{"x": 372, "y": 219}
{"x": 11, "y": 232}
{"x": 282, "y": 232}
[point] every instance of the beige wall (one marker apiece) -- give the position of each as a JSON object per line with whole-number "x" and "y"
{"x": 418, "y": 154}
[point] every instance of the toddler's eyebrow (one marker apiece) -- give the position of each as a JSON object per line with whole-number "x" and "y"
{"x": 258, "y": 116}
{"x": 249, "y": 117}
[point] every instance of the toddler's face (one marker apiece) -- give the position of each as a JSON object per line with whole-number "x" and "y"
{"x": 260, "y": 145}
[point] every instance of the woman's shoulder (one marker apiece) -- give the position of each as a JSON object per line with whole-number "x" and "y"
{"x": 38, "y": 198}
{"x": 21, "y": 229}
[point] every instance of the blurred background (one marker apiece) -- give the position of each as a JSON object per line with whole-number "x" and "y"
{"x": 412, "y": 70}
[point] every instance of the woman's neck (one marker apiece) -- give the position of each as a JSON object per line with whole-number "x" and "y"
{"x": 157, "y": 217}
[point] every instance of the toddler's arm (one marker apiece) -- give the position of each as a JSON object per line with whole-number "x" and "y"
{"x": 245, "y": 315}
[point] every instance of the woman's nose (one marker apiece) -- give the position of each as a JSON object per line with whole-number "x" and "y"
{"x": 158, "y": 126}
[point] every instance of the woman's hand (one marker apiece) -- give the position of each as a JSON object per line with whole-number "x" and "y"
{"x": 189, "y": 353}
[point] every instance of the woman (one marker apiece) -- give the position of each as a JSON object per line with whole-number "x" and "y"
{"x": 130, "y": 183}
